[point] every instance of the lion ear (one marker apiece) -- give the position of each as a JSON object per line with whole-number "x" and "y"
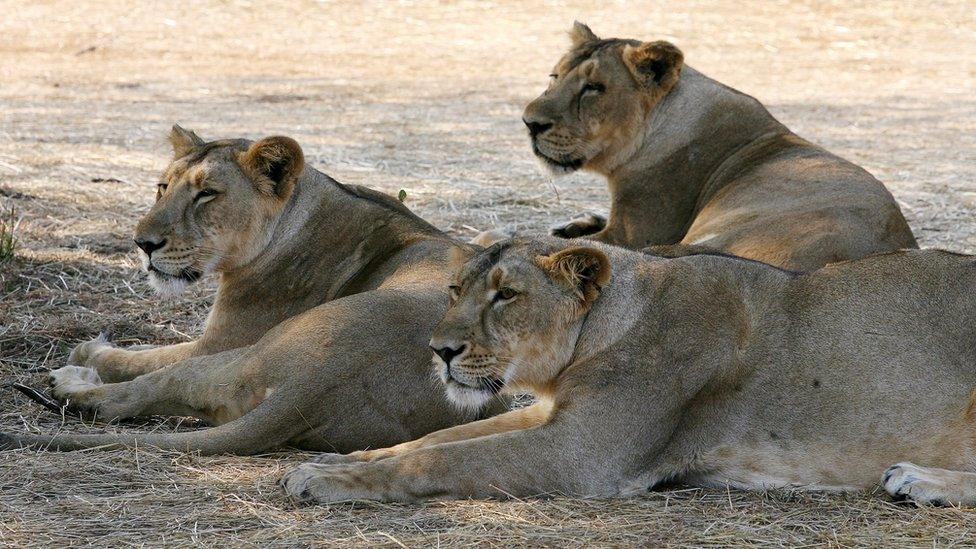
{"x": 183, "y": 141}
{"x": 585, "y": 270}
{"x": 655, "y": 63}
{"x": 581, "y": 34}
{"x": 459, "y": 255}
{"x": 275, "y": 164}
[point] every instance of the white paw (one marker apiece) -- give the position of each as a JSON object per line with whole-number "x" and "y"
{"x": 72, "y": 380}
{"x": 909, "y": 481}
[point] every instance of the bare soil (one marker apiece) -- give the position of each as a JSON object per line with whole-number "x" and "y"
{"x": 425, "y": 97}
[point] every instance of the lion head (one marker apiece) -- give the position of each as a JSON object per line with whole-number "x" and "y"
{"x": 215, "y": 208}
{"x": 600, "y": 95}
{"x": 516, "y": 309}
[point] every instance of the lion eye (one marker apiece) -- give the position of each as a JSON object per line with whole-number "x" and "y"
{"x": 504, "y": 294}
{"x": 593, "y": 87}
{"x": 206, "y": 193}
{"x": 161, "y": 187}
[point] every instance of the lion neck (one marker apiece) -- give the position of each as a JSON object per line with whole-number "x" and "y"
{"x": 698, "y": 125}
{"x": 329, "y": 241}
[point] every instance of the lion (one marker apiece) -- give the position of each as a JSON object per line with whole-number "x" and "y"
{"x": 707, "y": 369}
{"x": 318, "y": 334}
{"x": 691, "y": 161}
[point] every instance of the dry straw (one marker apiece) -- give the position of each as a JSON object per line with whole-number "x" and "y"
{"x": 426, "y": 98}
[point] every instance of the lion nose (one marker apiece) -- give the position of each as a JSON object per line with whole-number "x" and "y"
{"x": 149, "y": 246}
{"x": 536, "y": 127}
{"x": 447, "y": 354}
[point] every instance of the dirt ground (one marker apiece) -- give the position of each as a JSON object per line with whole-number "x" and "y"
{"x": 424, "y": 97}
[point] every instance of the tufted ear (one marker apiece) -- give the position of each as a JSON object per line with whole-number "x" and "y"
{"x": 183, "y": 141}
{"x": 275, "y": 164}
{"x": 655, "y": 63}
{"x": 581, "y": 34}
{"x": 586, "y": 270}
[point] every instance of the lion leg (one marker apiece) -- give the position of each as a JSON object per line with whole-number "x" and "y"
{"x": 114, "y": 364}
{"x": 585, "y": 225}
{"x": 208, "y": 387}
{"x": 523, "y": 418}
{"x": 929, "y": 485}
{"x": 272, "y": 423}
{"x": 545, "y": 459}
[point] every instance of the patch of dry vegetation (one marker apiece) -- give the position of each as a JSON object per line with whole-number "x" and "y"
{"x": 423, "y": 97}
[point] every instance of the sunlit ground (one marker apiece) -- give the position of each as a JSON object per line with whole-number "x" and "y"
{"x": 424, "y": 97}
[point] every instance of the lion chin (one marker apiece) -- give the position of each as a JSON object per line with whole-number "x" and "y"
{"x": 467, "y": 398}
{"x": 168, "y": 286}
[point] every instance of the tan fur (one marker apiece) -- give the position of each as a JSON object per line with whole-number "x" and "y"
{"x": 585, "y": 269}
{"x": 705, "y": 369}
{"x": 690, "y": 161}
{"x": 318, "y": 335}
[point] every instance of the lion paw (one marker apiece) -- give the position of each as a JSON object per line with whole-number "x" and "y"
{"x": 310, "y": 483}
{"x": 85, "y": 353}
{"x": 69, "y": 382}
{"x": 919, "y": 484}
{"x": 317, "y": 483}
{"x": 586, "y": 224}
{"x": 74, "y": 385}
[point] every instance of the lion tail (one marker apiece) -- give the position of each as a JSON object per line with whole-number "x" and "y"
{"x": 272, "y": 423}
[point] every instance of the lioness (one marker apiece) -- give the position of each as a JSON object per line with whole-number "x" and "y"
{"x": 689, "y": 160}
{"x": 707, "y": 369}
{"x": 351, "y": 373}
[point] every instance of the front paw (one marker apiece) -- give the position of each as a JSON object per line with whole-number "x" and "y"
{"x": 69, "y": 381}
{"x": 318, "y": 483}
{"x": 587, "y": 224}
{"x": 78, "y": 388}
{"x": 907, "y": 481}
{"x": 84, "y": 354}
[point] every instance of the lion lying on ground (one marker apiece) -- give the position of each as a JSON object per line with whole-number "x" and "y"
{"x": 691, "y": 161}
{"x": 710, "y": 370}
{"x": 352, "y": 371}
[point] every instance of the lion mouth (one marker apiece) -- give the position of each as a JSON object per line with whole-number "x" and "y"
{"x": 487, "y": 384}
{"x": 185, "y": 275}
{"x": 472, "y": 397}
{"x": 565, "y": 165}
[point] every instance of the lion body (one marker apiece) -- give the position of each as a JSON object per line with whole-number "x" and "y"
{"x": 318, "y": 335}
{"x": 691, "y": 161}
{"x": 704, "y": 369}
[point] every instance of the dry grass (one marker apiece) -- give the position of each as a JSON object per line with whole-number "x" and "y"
{"x": 423, "y": 97}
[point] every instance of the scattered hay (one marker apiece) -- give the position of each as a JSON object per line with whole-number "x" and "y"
{"x": 424, "y": 98}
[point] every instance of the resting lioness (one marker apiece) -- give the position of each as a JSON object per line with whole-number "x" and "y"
{"x": 691, "y": 161}
{"x": 351, "y": 373}
{"x": 705, "y": 369}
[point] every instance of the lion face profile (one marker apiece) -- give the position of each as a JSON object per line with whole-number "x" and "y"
{"x": 600, "y": 94}
{"x": 215, "y": 206}
{"x": 511, "y": 322}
